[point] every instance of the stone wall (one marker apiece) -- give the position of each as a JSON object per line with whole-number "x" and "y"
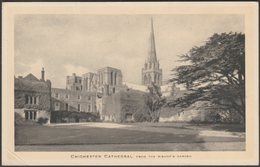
{"x": 122, "y": 106}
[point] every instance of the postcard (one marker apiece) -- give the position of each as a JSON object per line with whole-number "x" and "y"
{"x": 109, "y": 83}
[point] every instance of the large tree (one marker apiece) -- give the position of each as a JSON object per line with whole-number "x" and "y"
{"x": 214, "y": 72}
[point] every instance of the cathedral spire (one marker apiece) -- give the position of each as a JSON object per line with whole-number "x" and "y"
{"x": 152, "y": 51}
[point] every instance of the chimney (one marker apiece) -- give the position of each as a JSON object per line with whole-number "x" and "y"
{"x": 42, "y": 74}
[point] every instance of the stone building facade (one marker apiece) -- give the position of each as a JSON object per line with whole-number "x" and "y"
{"x": 85, "y": 93}
{"x": 107, "y": 81}
{"x": 74, "y": 101}
{"x": 32, "y": 97}
{"x": 151, "y": 72}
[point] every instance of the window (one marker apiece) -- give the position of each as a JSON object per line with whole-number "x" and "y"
{"x": 89, "y": 97}
{"x": 30, "y": 115}
{"x": 34, "y": 100}
{"x": 67, "y": 96}
{"x": 114, "y": 90}
{"x": 56, "y": 95}
{"x": 57, "y": 106}
{"x": 31, "y": 99}
{"x": 88, "y": 108}
{"x": 79, "y": 97}
{"x": 67, "y": 107}
{"x": 78, "y": 107}
{"x": 111, "y": 77}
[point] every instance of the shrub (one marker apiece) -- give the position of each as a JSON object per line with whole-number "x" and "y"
{"x": 142, "y": 116}
{"x": 42, "y": 120}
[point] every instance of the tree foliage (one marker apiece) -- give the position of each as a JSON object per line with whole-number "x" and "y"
{"x": 154, "y": 101}
{"x": 214, "y": 72}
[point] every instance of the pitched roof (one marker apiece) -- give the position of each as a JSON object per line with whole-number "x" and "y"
{"x": 31, "y": 77}
{"x": 30, "y": 84}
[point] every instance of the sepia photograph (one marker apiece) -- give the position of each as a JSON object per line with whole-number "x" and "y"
{"x": 132, "y": 82}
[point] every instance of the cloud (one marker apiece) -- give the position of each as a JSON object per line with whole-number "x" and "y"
{"x": 23, "y": 69}
{"x": 66, "y": 44}
{"x": 79, "y": 70}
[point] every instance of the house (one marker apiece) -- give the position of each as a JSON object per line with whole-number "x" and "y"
{"x": 32, "y": 97}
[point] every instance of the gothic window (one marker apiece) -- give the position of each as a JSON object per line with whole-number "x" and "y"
{"x": 115, "y": 78}
{"x": 111, "y": 77}
{"x": 145, "y": 65}
{"x": 78, "y": 107}
{"x": 66, "y": 106}
{"x": 145, "y": 79}
{"x": 114, "y": 90}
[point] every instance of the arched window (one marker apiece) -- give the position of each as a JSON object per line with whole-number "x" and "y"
{"x": 145, "y": 79}
{"x": 115, "y": 78}
{"x": 111, "y": 77}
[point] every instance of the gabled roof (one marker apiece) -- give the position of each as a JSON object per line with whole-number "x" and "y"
{"x": 31, "y": 77}
{"x": 30, "y": 83}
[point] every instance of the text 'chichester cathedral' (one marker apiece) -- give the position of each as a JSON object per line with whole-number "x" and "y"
{"x": 152, "y": 71}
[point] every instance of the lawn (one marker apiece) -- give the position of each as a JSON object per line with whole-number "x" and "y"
{"x": 147, "y": 133}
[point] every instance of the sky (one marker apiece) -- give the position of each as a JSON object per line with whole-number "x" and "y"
{"x": 66, "y": 44}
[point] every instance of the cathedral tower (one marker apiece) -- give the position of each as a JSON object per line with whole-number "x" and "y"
{"x": 151, "y": 71}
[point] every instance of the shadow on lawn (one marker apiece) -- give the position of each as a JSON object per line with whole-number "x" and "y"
{"x": 230, "y": 127}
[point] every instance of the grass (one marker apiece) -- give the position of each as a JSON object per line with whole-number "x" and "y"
{"x": 146, "y": 133}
